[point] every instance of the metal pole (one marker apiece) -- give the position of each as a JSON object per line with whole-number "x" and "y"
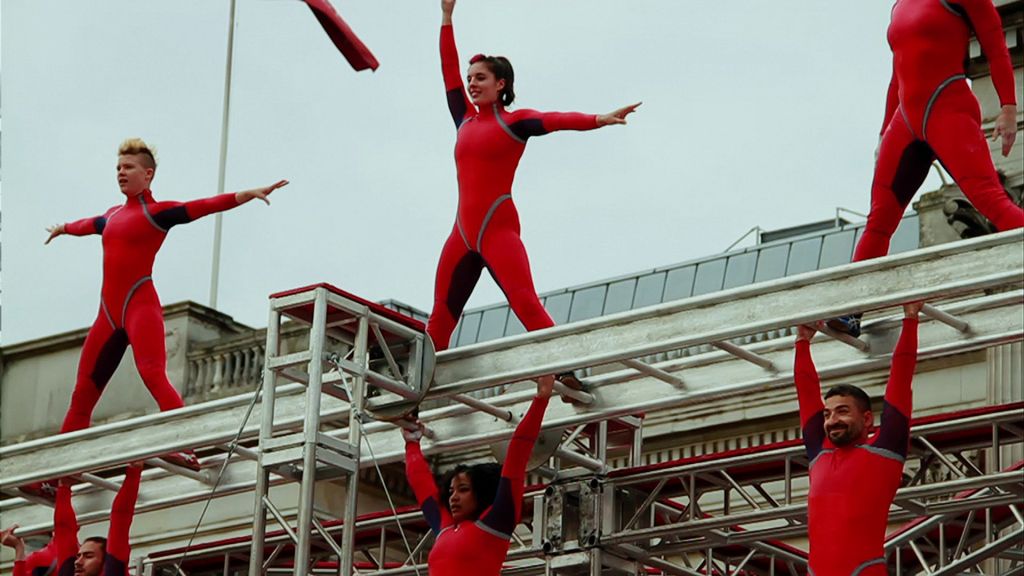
{"x": 311, "y": 430}
{"x": 355, "y": 438}
{"x": 217, "y": 220}
{"x": 259, "y": 523}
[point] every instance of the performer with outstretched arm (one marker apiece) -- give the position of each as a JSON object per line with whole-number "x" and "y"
{"x": 130, "y": 311}
{"x": 109, "y": 556}
{"x": 854, "y": 474}
{"x": 930, "y": 112}
{"x": 474, "y": 519}
{"x": 489, "y": 143}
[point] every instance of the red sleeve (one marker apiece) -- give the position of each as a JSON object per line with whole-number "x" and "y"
{"x": 87, "y": 226}
{"x": 554, "y": 121}
{"x": 520, "y": 448}
{"x": 989, "y": 29}
{"x": 205, "y": 206}
{"x": 892, "y": 100}
{"x": 898, "y": 392}
{"x": 808, "y": 386}
{"x": 65, "y": 526}
{"x": 423, "y": 485}
{"x": 459, "y": 103}
{"x": 19, "y": 568}
{"x": 121, "y": 514}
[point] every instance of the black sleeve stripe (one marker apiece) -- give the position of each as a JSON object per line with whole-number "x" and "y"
{"x": 432, "y": 514}
{"x": 814, "y": 435}
{"x": 171, "y": 217}
{"x": 528, "y": 127}
{"x": 894, "y": 434}
{"x": 100, "y": 223}
{"x": 501, "y": 517}
{"x": 457, "y": 106}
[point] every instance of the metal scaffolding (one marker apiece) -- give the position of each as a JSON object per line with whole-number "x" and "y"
{"x": 974, "y": 288}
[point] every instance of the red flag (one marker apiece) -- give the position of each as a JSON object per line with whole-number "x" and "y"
{"x": 357, "y": 54}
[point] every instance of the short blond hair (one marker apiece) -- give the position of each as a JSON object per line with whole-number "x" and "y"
{"x": 137, "y": 146}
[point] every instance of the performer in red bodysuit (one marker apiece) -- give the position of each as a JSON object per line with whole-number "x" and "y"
{"x": 130, "y": 312}
{"x": 474, "y": 523}
{"x": 854, "y": 475}
{"x": 930, "y": 112}
{"x": 109, "y": 556}
{"x": 58, "y": 556}
{"x": 489, "y": 144}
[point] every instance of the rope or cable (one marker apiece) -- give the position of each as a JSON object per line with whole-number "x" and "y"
{"x": 380, "y": 474}
{"x": 220, "y": 476}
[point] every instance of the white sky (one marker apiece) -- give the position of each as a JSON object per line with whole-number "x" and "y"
{"x": 755, "y": 113}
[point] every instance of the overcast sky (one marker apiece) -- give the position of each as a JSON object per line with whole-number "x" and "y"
{"x": 755, "y": 113}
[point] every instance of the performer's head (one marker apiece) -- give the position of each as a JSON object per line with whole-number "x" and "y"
{"x": 848, "y": 418}
{"x": 469, "y": 490}
{"x": 136, "y": 166}
{"x": 89, "y": 561}
{"x": 490, "y": 79}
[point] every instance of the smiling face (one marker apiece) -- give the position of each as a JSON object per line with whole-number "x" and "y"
{"x": 845, "y": 423}
{"x": 484, "y": 87}
{"x": 133, "y": 176}
{"x": 462, "y": 501}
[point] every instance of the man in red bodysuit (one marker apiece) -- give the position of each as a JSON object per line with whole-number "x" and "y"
{"x": 854, "y": 470}
{"x": 930, "y": 112}
{"x": 474, "y": 524}
{"x": 130, "y": 311}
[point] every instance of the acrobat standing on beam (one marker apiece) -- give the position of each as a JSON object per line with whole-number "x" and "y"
{"x": 130, "y": 311}
{"x": 489, "y": 143}
{"x": 931, "y": 113}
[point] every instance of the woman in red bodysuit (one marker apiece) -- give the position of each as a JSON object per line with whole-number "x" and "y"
{"x": 489, "y": 144}
{"x": 474, "y": 520}
{"x": 930, "y": 112}
{"x": 130, "y": 312}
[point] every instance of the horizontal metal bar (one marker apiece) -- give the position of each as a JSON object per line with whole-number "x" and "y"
{"x": 476, "y": 404}
{"x": 644, "y": 368}
{"x": 745, "y": 354}
{"x": 581, "y": 460}
{"x": 945, "y": 318}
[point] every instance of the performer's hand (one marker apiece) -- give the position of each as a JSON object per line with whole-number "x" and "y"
{"x": 261, "y": 193}
{"x": 8, "y": 539}
{"x": 138, "y": 464}
{"x": 545, "y": 385}
{"x": 1006, "y": 127}
{"x": 55, "y": 230}
{"x": 805, "y": 332}
{"x": 618, "y": 116}
{"x": 912, "y": 309}
{"x": 413, "y": 435}
{"x": 447, "y": 7}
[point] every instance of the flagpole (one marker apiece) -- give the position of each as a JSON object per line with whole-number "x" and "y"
{"x": 218, "y": 220}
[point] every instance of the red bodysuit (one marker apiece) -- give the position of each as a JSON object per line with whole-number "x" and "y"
{"x": 488, "y": 147}
{"x": 476, "y": 547}
{"x": 938, "y": 115}
{"x": 115, "y": 561}
{"x": 58, "y": 557}
{"x": 853, "y": 486}
{"x": 130, "y": 311}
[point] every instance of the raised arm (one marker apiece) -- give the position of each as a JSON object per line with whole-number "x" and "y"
{"x": 808, "y": 392}
{"x": 121, "y": 514}
{"x": 169, "y": 214}
{"x": 988, "y": 27}
{"x": 423, "y": 485}
{"x": 65, "y": 526}
{"x": 894, "y": 434}
{"x": 459, "y": 103}
{"x": 504, "y": 513}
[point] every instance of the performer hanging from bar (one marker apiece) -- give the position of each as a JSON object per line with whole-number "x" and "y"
{"x": 488, "y": 146}
{"x": 930, "y": 112}
{"x": 130, "y": 311}
{"x": 58, "y": 556}
{"x": 109, "y": 556}
{"x": 474, "y": 518}
{"x": 854, "y": 470}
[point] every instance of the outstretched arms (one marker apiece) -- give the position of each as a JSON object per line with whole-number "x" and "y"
{"x": 169, "y": 214}
{"x": 526, "y": 123}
